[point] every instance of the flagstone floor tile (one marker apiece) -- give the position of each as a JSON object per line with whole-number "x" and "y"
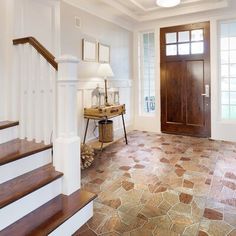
{"x": 163, "y": 185}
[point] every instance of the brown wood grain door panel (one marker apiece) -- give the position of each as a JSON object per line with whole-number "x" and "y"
{"x": 174, "y": 98}
{"x": 184, "y": 110}
{"x": 195, "y": 114}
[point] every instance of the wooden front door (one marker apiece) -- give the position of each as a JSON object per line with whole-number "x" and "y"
{"x": 185, "y": 79}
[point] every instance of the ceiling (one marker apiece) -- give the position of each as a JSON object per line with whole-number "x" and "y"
{"x": 144, "y": 10}
{"x": 129, "y": 12}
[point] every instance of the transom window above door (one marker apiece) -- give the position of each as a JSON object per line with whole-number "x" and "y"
{"x": 187, "y": 42}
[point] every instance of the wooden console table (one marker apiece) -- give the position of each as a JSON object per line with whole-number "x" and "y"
{"x": 104, "y": 113}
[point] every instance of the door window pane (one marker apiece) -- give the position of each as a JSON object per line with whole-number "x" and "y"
{"x": 183, "y": 36}
{"x": 233, "y": 56}
{"x": 233, "y": 98}
{"x": 225, "y": 84}
{"x": 224, "y": 44}
{"x": 232, "y": 43}
{"x": 171, "y": 38}
{"x": 225, "y": 98}
{"x": 232, "y": 29}
{"x": 225, "y": 112}
{"x": 224, "y": 71}
{"x": 233, "y": 70}
{"x": 197, "y": 48}
{"x": 224, "y": 57}
{"x": 224, "y": 30}
{"x": 197, "y": 35}
{"x": 183, "y": 49}
{"x": 233, "y": 84}
{"x": 171, "y": 50}
{"x": 233, "y": 112}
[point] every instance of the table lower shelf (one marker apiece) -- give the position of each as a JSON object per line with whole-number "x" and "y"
{"x": 96, "y": 145}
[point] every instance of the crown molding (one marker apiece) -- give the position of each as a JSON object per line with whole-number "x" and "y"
{"x": 116, "y": 13}
{"x": 155, "y": 13}
{"x": 184, "y": 10}
{"x": 107, "y": 15}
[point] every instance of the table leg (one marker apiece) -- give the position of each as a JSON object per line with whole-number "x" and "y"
{"x": 86, "y": 130}
{"x": 102, "y": 136}
{"x": 123, "y": 120}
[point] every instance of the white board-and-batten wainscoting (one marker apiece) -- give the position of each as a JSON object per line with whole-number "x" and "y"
{"x": 84, "y": 98}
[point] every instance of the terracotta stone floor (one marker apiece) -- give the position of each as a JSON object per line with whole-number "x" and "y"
{"x": 163, "y": 185}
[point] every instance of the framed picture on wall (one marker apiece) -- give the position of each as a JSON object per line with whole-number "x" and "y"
{"x": 103, "y": 53}
{"x": 89, "y": 49}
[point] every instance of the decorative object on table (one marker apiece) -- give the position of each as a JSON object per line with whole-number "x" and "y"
{"x": 103, "y": 53}
{"x": 95, "y": 97}
{"x": 89, "y": 50}
{"x": 105, "y": 72}
{"x": 98, "y": 97}
{"x": 87, "y": 156}
{"x": 116, "y": 98}
{"x": 106, "y": 131}
{"x": 113, "y": 96}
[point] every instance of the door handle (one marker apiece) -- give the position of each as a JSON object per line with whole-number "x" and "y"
{"x": 207, "y": 91}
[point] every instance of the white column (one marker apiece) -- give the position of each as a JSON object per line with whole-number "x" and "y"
{"x": 66, "y": 147}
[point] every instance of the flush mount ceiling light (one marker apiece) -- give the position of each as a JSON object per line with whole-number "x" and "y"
{"x": 167, "y": 3}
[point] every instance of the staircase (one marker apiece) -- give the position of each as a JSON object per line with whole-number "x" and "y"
{"x": 31, "y": 199}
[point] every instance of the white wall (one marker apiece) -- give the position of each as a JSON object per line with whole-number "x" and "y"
{"x": 6, "y": 30}
{"x": 220, "y": 130}
{"x": 3, "y": 26}
{"x": 40, "y": 19}
{"x": 120, "y": 41}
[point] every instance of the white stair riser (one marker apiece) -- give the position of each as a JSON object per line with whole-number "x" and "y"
{"x": 8, "y": 134}
{"x": 75, "y": 222}
{"x": 16, "y": 168}
{"x": 18, "y": 209}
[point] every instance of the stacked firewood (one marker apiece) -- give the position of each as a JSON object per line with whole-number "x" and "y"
{"x": 87, "y": 156}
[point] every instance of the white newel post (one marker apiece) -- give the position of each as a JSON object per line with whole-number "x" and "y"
{"x": 66, "y": 155}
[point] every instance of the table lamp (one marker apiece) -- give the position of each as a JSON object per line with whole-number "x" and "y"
{"x": 105, "y": 72}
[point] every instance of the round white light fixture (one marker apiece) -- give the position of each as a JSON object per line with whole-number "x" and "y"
{"x": 167, "y": 3}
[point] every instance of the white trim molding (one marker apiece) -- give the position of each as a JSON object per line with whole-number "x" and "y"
{"x": 99, "y": 11}
{"x": 92, "y": 83}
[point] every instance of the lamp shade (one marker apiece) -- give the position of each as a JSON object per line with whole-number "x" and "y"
{"x": 105, "y": 71}
{"x": 167, "y": 3}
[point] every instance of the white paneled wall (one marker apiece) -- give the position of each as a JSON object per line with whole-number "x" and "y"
{"x": 32, "y": 95}
{"x": 84, "y": 98}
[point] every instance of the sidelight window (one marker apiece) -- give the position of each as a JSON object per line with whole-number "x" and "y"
{"x": 228, "y": 69}
{"x": 147, "y": 72}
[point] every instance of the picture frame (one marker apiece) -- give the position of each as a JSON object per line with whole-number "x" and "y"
{"x": 103, "y": 53}
{"x": 89, "y": 50}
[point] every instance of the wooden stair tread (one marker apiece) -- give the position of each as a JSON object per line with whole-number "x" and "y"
{"x": 19, "y": 187}
{"x": 19, "y": 148}
{"x": 7, "y": 124}
{"x": 51, "y": 215}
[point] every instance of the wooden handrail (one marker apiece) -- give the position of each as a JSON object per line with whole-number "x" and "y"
{"x": 39, "y": 47}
